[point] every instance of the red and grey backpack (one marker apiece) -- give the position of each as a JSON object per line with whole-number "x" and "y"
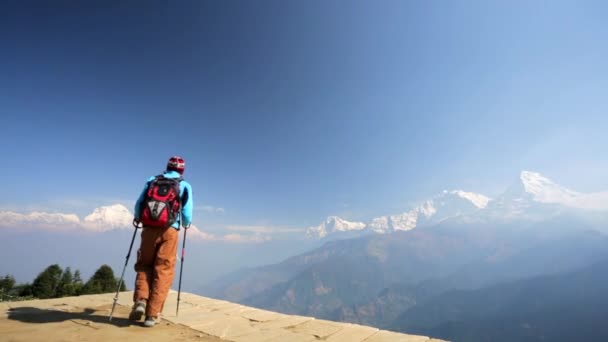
{"x": 162, "y": 204}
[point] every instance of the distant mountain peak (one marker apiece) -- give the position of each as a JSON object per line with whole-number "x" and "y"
{"x": 110, "y": 217}
{"x": 333, "y": 224}
{"x": 536, "y": 197}
{"x": 478, "y": 200}
{"x": 338, "y": 223}
{"x": 533, "y": 197}
{"x": 545, "y": 190}
{"x": 443, "y": 206}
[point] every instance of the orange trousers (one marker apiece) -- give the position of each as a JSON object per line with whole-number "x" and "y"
{"x": 155, "y": 267}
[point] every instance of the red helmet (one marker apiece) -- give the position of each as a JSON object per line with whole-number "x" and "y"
{"x": 176, "y": 163}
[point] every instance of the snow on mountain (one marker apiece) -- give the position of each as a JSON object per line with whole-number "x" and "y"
{"x": 533, "y": 197}
{"x": 544, "y": 190}
{"x": 408, "y": 220}
{"x": 109, "y": 217}
{"x": 334, "y": 224}
{"x": 536, "y": 197}
{"x": 404, "y": 221}
{"x": 445, "y": 205}
{"x": 380, "y": 225}
{"x": 479, "y": 200}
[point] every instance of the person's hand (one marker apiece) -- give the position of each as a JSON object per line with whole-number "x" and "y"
{"x": 187, "y": 226}
{"x": 136, "y": 223}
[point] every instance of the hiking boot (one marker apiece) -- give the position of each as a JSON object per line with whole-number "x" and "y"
{"x": 151, "y": 321}
{"x": 139, "y": 308}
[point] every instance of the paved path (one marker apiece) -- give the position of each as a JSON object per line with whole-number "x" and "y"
{"x": 234, "y": 322}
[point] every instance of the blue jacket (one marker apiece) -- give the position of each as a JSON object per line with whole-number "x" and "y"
{"x": 185, "y": 192}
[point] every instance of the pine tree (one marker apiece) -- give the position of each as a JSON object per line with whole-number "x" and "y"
{"x": 66, "y": 284}
{"x": 6, "y": 285}
{"x": 77, "y": 283}
{"x": 103, "y": 281}
{"x": 25, "y": 290}
{"x": 46, "y": 283}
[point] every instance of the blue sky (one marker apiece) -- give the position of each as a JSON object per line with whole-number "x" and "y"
{"x": 289, "y": 112}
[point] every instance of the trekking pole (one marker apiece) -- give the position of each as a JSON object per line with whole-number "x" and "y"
{"x": 136, "y": 225}
{"x": 181, "y": 269}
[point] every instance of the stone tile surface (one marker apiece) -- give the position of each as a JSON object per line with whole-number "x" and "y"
{"x": 318, "y": 328}
{"x": 258, "y": 315}
{"x": 227, "y": 327}
{"x": 293, "y": 337}
{"x": 352, "y": 333}
{"x": 233, "y": 322}
{"x": 284, "y": 322}
{"x": 259, "y": 335}
{"x": 389, "y": 336}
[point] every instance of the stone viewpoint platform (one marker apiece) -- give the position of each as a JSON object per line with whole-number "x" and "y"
{"x": 229, "y": 321}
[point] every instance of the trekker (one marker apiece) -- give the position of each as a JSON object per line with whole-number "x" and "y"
{"x": 164, "y": 205}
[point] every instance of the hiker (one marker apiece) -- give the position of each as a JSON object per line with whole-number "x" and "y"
{"x": 164, "y": 205}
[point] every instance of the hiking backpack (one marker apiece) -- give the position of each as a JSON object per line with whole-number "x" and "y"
{"x": 162, "y": 203}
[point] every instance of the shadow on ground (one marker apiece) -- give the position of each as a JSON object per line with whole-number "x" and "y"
{"x": 37, "y": 315}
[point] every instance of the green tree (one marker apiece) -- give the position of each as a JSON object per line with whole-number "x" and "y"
{"x": 45, "y": 285}
{"x": 25, "y": 290}
{"x": 77, "y": 283}
{"x": 66, "y": 286}
{"x": 6, "y": 285}
{"x": 103, "y": 281}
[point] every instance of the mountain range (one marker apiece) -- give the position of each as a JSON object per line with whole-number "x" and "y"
{"x": 448, "y": 250}
{"x": 533, "y": 195}
{"x": 443, "y": 206}
{"x": 430, "y": 260}
{"x": 570, "y": 306}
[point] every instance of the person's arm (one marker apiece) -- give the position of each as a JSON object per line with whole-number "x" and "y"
{"x": 187, "y": 205}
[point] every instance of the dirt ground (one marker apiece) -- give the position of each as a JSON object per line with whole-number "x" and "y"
{"x": 88, "y": 324}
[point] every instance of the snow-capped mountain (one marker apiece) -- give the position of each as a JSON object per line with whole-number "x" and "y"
{"x": 533, "y": 197}
{"x": 542, "y": 189}
{"x": 445, "y": 205}
{"x": 478, "y": 200}
{"x": 334, "y": 224}
{"x": 110, "y": 217}
{"x": 536, "y": 197}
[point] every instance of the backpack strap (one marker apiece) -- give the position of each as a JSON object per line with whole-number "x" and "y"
{"x": 179, "y": 179}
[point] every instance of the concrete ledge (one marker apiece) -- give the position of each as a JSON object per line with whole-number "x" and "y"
{"x": 234, "y": 322}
